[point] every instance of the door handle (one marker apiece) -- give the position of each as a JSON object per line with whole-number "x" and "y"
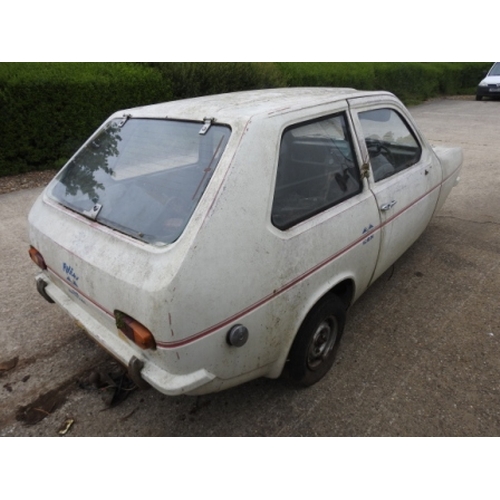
{"x": 388, "y": 206}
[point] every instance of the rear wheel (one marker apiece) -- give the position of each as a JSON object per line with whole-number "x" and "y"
{"x": 314, "y": 349}
{"x": 479, "y": 97}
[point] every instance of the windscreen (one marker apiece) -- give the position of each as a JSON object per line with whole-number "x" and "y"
{"x": 143, "y": 177}
{"x": 495, "y": 70}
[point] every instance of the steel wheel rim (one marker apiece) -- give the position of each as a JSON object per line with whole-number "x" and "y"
{"x": 322, "y": 342}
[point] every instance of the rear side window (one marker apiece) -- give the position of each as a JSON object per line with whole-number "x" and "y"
{"x": 317, "y": 169}
{"x": 390, "y": 142}
{"x": 142, "y": 177}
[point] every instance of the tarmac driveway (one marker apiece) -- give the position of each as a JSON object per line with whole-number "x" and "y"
{"x": 420, "y": 354}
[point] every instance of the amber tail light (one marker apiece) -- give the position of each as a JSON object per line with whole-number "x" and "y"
{"x": 133, "y": 330}
{"x": 37, "y": 258}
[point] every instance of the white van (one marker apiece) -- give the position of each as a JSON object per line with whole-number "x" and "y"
{"x": 211, "y": 241}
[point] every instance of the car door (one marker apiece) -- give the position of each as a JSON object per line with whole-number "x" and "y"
{"x": 323, "y": 210}
{"x": 403, "y": 175}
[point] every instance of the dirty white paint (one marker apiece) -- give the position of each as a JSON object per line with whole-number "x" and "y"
{"x": 231, "y": 265}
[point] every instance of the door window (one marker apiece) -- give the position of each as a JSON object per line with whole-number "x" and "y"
{"x": 317, "y": 169}
{"x": 391, "y": 144}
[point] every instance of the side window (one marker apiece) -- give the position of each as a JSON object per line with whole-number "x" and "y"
{"x": 390, "y": 142}
{"x": 317, "y": 169}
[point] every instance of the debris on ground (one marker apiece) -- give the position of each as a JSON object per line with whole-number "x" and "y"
{"x": 114, "y": 385}
{"x": 66, "y": 427}
{"x": 42, "y": 407}
{"x": 5, "y": 366}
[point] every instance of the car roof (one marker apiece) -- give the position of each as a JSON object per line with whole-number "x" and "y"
{"x": 238, "y": 106}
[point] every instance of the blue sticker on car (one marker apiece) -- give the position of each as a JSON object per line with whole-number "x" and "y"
{"x": 367, "y": 230}
{"x": 71, "y": 276}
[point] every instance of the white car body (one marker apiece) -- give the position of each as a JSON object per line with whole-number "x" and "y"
{"x": 489, "y": 86}
{"x": 232, "y": 265}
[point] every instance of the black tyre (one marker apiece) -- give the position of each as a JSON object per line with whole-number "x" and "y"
{"x": 314, "y": 349}
{"x": 479, "y": 97}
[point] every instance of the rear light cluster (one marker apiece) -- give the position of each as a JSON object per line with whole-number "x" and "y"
{"x": 133, "y": 330}
{"x": 37, "y": 258}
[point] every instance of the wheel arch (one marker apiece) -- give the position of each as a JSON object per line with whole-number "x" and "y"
{"x": 344, "y": 289}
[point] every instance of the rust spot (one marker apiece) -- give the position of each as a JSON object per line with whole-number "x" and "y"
{"x": 170, "y": 323}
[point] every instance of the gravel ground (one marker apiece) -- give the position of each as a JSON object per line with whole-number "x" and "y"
{"x": 26, "y": 181}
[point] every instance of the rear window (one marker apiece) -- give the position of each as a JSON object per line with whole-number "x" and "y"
{"x": 143, "y": 177}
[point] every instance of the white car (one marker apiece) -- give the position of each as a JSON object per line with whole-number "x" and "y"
{"x": 210, "y": 241}
{"x": 490, "y": 84}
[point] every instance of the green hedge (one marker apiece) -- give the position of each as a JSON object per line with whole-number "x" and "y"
{"x": 196, "y": 79}
{"x": 49, "y": 109}
{"x": 356, "y": 75}
{"x": 411, "y": 82}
